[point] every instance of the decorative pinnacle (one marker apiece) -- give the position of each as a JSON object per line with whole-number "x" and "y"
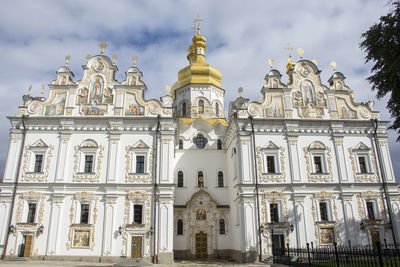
{"x": 289, "y": 48}
{"x": 29, "y": 90}
{"x": 271, "y": 63}
{"x": 102, "y": 46}
{"x": 315, "y": 62}
{"x": 300, "y": 51}
{"x": 333, "y": 64}
{"x": 67, "y": 58}
{"x": 240, "y": 91}
{"x": 114, "y": 58}
{"x": 197, "y": 21}
{"x": 168, "y": 89}
{"x": 88, "y": 57}
{"x": 42, "y": 93}
{"x": 134, "y": 58}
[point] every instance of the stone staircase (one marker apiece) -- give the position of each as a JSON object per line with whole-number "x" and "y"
{"x": 133, "y": 262}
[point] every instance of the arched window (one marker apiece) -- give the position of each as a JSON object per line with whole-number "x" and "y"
{"x": 219, "y": 144}
{"x": 220, "y": 179}
{"x": 222, "y": 227}
{"x": 217, "y": 110}
{"x": 200, "y": 179}
{"x": 183, "y": 109}
{"x": 180, "y": 144}
{"x": 201, "y": 106}
{"x": 180, "y": 179}
{"x": 179, "y": 227}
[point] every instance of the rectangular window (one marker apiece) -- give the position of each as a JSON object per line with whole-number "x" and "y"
{"x": 31, "y": 213}
{"x": 271, "y": 164}
{"x": 370, "y": 210}
{"x": 318, "y": 164}
{"x": 84, "y": 213}
{"x": 38, "y": 163}
{"x": 363, "y": 164}
{"x": 137, "y": 214}
{"x": 274, "y": 212}
{"x": 323, "y": 210}
{"x": 139, "y": 164}
{"x": 88, "y": 164}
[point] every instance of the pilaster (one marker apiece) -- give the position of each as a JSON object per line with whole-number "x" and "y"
{"x": 165, "y": 227}
{"x": 13, "y": 157}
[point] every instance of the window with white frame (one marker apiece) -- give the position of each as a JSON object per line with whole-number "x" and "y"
{"x": 84, "y": 216}
{"x": 220, "y": 179}
{"x": 138, "y": 214}
{"x": 270, "y": 158}
{"x": 88, "y": 151}
{"x": 38, "y": 163}
{"x": 362, "y": 158}
{"x": 318, "y": 158}
{"x": 88, "y": 164}
{"x": 370, "y": 210}
{"x": 274, "y": 212}
{"x": 31, "y": 213}
{"x": 323, "y": 211}
{"x": 138, "y": 155}
{"x": 38, "y": 156}
{"x": 139, "y": 164}
{"x": 179, "y": 227}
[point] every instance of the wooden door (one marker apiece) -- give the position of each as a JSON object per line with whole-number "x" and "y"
{"x": 375, "y": 237}
{"x": 201, "y": 245}
{"x": 136, "y": 244}
{"x": 28, "y": 245}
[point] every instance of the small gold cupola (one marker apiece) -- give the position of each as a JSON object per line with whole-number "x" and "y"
{"x": 198, "y": 72}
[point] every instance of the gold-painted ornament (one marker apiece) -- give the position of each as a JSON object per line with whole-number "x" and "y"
{"x": 168, "y": 89}
{"x": 271, "y": 63}
{"x": 67, "y": 58}
{"x": 134, "y": 58}
{"x": 300, "y": 51}
{"x": 333, "y": 64}
{"x": 197, "y": 20}
{"x": 114, "y": 58}
{"x": 315, "y": 62}
{"x": 29, "y": 90}
{"x": 88, "y": 57}
{"x": 102, "y": 46}
{"x": 42, "y": 93}
{"x": 240, "y": 91}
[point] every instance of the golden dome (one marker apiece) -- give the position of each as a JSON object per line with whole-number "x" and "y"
{"x": 198, "y": 71}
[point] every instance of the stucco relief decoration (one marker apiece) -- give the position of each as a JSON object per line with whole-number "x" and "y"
{"x": 271, "y": 177}
{"x": 363, "y": 177}
{"x": 82, "y": 236}
{"x": 309, "y": 101}
{"x": 136, "y": 177}
{"x": 326, "y": 152}
{"x": 79, "y": 175}
{"x": 273, "y": 197}
{"x": 28, "y": 173}
{"x": 272, "y": 107}
{"x": 30, "y": 196}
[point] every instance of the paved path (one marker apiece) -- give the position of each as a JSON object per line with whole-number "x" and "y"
{"x": 90, "y": 264}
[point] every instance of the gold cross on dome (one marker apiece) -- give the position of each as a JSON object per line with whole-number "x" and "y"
{"x": 102, "y": 46}
{"x": 197, "y": 20}
{"x": 289, "y": 48}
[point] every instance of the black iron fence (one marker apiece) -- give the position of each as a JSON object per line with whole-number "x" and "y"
{"x": 338, "y": 256}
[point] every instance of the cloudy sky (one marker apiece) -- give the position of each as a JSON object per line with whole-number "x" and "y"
{"x": 35, "y": 37}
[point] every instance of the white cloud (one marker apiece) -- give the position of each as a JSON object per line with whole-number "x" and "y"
{"x": 35, "y": 36}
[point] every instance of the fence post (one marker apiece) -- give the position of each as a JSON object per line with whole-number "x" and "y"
{"x": 308, "y": 252}
{"x": 378, "y": 247}
{"x": 288, "y": 253}
{"x": 336, "y": 254}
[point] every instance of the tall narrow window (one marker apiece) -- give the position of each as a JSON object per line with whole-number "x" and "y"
{"x": 222, "y": 227}
{"x": 139, "y": 164}
{"x": 271, "y": 164}
{"x": 84, "y": 213}
{"x": 220, "y": 179}
{"x": 137, "y": 214}
{"x": 183, "y": 109}
{"x": 180, "y": 179}
{"x": 323, "y": 210}
{"x": 273, "y": 207}
{"x": 180, "y": 144}
{"x": 31, "y": 213}
{"x": 38, "y": 163}
{"x": 88, "y": 163}
{"x": 318, "y": 164}
{"x": 370, "y": 210}
{"x": 217, "y": 110}
{"x": 201, "y": 106}
{"x": 179, "y": 227}
{"x": 200, "y": 179}
{"x": 219, "y": 144}
{"x": 363, "y": 164}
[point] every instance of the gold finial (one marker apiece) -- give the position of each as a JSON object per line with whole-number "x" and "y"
{"x": 67, "y": 58}
{"x": 271, "y": 63}
{"x": 102, "y": 46}
{"x": 315, "y": 62}
{"x": 88, "y": 57}
{"x": 197, "y": 20}
{"x": 29, "y": 90}
{"x": 300, "y": 51}
{"x": 134, "y": 58}
{"x": 333, "y": 64}
{"x": 201, "y": 180}
{"x": 289, "y": 48}
{"x": 42, "y": 93}
{"x": 114, "y": 58}
{"x": 240, "y": 91}
{"x": 168, "y": 89}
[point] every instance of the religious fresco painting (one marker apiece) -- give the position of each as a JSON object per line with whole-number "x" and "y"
{"x": 344, "y": 111}
{"x": 326, "y": 236}
{"x": 201, "y": 215}
{"x": 96, "y": 88}
{"x": 81, "y": 239}
{"x": 307, "y": 88}
{"x": 57, "y": 108}
{"x": 275, "y": 109}
{"x": 132, "y": 108}
{"x": 93, "y": 110}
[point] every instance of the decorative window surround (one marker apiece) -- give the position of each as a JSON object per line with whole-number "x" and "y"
{"x": 90, "y": 148}
{"x": 22, "y": 211}
{"x": 376, "y": 198}
{"x": 318, "y": 149}
{"x": 271, "y": 150}
{"x": 363, "y": 150}
{"x": 139, "y": 149}
{"x": 38, "y": 148}
{"x": 279, "y": 198}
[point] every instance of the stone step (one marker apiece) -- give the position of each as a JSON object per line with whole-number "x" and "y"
{"x": 133, "y": 262}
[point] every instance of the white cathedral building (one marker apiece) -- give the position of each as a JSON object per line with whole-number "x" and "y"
{"x": 97, "y": 170}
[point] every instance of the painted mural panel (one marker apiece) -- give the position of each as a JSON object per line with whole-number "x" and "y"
{"x": 275, "y": 109}
{"x": 326, "y": 236}
{"x": 57, "y": 108}
{"x": 132, "y": 107}
{"x": 344, "y": 110}
{"x": 94, "y": 110}
{"x": 81, "y": 239}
